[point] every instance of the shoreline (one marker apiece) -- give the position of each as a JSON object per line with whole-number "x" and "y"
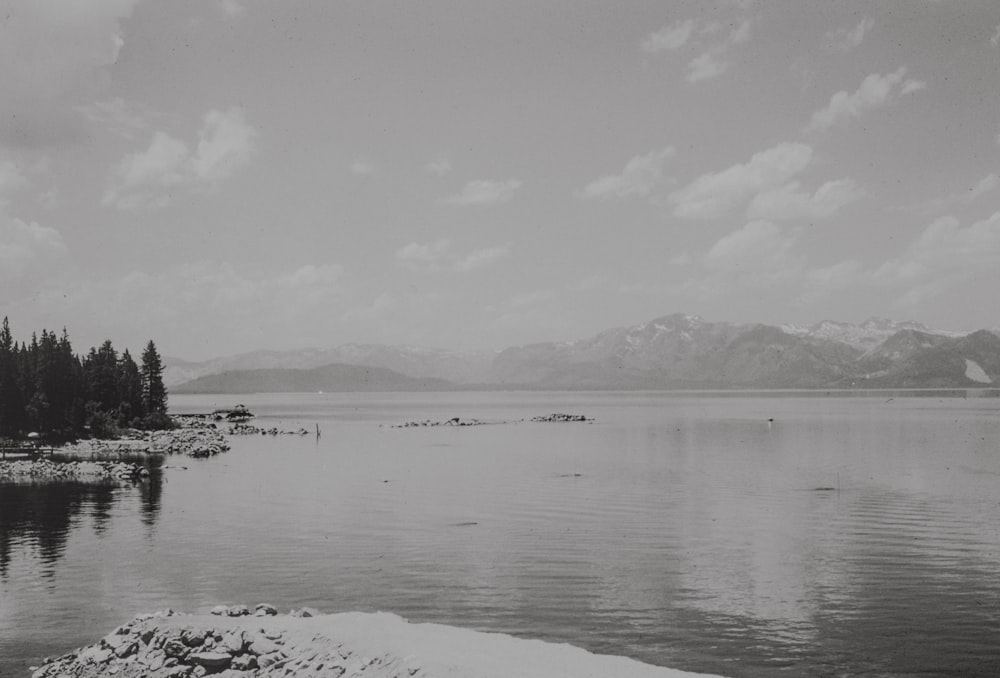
{"x": 234, "y": 642}
{"x": 116, "y": 460}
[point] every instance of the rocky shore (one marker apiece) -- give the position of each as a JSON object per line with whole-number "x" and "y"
{"x": 237, "y": 642}
{"x": 44, "y": 469}
{"x": 112, "y": 460}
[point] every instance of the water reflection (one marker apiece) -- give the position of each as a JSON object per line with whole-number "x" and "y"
{"x": 36, "y": 518}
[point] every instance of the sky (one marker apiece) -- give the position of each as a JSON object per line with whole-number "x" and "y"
{"x": 222, "y": 176}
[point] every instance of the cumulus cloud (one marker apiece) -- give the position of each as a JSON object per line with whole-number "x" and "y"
{"x": 481, "y": 258}
{"x": 671, "y": 37}
{"x": 54, "y": 55}
{"x": 439, "y": 166}
{"x": 986, "y": 185}
{"x": 789, "y": 202}
{"x": 26, "y": 246}
{"x": 427, "y": 256}
{"x": 11, "y": 179}
{"x": 362, "y": 167}
{"x": 149, "y": 179}
{"x": 706, "y": 66}
{"x": 439, "y": 255}
{"x": 232, "y": 7}
{"x": 946, "y": 248}
{"x": 761, "y": 250}
{"x": 847, "y": 39}
{"x": 713, "y": 62}
{"x": 485, "y": 192}
{"x": 122, "y": 118}
{"x": 641, "y": 175}
{"x": 875, "y": 91}
{"x": 715, "y": 194}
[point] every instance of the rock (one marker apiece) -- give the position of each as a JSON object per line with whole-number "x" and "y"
{"x": 238, "y": 611}
{"x": 305, "y": 612}
{"x": 273, "y": 634}
{"x": 211, "y": 660}
{"x": 234, "y": 641}
{"x": 193, "y": 638}
{"x": 95, "y": 655}
{"x": 127, "y": 649}
{"x": 261, "y": 646}
{"x": 244, "y": 662}
{"x": 176, "y": 648}
{"x": 269, "y": 659}
{"x": 154, "y": 660}
{"x": 221, "y": 610}
{"x": 264, "y": 609}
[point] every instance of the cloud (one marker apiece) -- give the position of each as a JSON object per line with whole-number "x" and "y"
{"x": 481, "y": 258}
{"x": 875, "y": 91}
{"x": 362, "y": 168}
{"x": 426, "y": 257}
{"x": 715, "y": 194}
{"x": 788, "y": 202}
{"x": 760, "y": 250}
{"x": 439, "y": 166}
{"x": 987, "y": 184}
{"x": 11, "y": 179}
{"x": 122, "y": 118}
{"x": 846, "y": 39}
{"x": 485, "y": 192}
{"x": 712, "y": 63}
{"x": 641, "y": 175}
{"x": 672, "y": 36}
{"x": 54, "y": 56}
{"x": 706, "y": 66}
{"x": 437, "y": 256}
{"x": 27, "y": 247}
{"x": 945, "y": 248}
{"x": 232, "y": 7}
{"x": 149, "y": 179}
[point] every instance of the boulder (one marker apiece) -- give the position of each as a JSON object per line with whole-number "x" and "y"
{"x": 221, "y": 610}
{"x": 264, "y": 609}
{"x": 269, "y": 659}
{"x": 211, "y": 660}
{"x": 244, "y": 662}
{"x": 238, "y": 611}
{"x": 261, "y": 646}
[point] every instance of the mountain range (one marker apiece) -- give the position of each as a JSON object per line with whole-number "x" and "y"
{"x": 672, "y": 352}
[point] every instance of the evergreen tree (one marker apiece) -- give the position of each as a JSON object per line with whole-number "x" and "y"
{"x": 154, "y": 393}
{"x": 130, "y": 404}
{"x": 11, "y": 401}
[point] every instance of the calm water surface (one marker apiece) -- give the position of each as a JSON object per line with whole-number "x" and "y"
{"x": 853, "y": 536}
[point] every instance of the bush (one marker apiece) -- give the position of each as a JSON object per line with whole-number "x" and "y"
{"x": 102, "y": 424}
{"x": 157, "y": 421}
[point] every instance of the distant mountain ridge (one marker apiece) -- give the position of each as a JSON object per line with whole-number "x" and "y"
{"x": 330, "y": 378}
{"x": 671, "y": 352}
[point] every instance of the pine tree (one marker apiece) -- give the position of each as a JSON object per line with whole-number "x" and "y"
{"x": 154, "y": 393}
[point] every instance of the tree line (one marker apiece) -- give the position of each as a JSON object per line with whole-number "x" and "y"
{"x": 46, "y": 388}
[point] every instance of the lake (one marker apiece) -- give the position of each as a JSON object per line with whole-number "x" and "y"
{"x": 848, "y": 536}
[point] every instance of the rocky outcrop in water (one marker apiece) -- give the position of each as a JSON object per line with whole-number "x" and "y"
{"x": 46, "y": 470}
{"x": 251, "y": 430}
{"x": 168, "y": 645}
{"x": 557, "y": 417}
{"x": 454, "y": 421}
